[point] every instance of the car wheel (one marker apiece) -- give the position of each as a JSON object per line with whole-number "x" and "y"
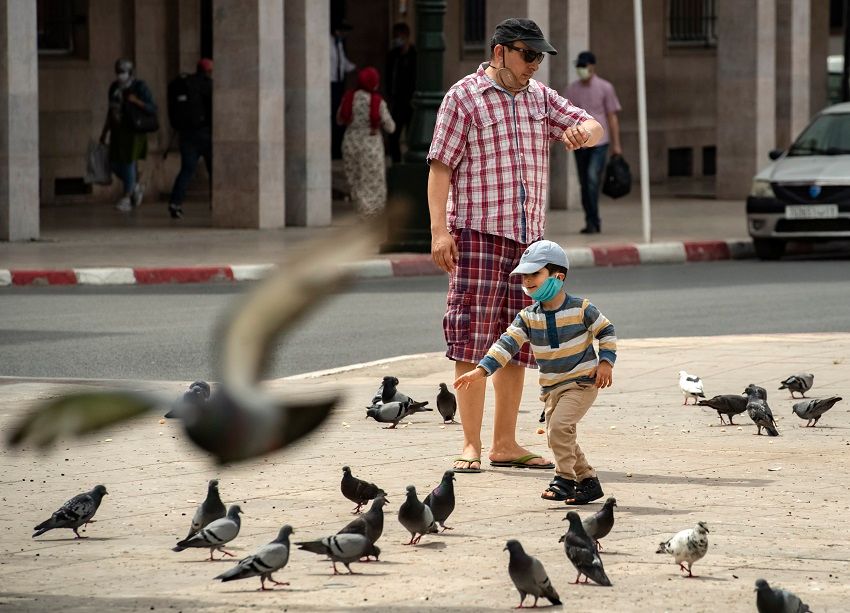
{"x": 768, "y": 249}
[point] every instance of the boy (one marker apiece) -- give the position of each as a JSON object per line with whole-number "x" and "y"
{"x": 560, "y": 329}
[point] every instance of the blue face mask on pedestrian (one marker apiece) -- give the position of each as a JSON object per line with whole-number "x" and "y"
{"x": 548, "y": 290}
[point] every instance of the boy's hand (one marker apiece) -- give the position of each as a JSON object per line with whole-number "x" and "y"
{"x": 604, "y": 374}
{"x": 463, "y": 381}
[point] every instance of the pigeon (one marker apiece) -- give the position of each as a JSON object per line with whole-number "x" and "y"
{"x": 441, "y": 500}
{"x": 263, "y": 562}
{"x": 357, "y": 490}
{"x": 211, "y": 509}
{"x": 389, "y": 391}
{"x": 581, "y": 551}
{"x": 529, "y": 576}
{"x": 216, "y": 535}
{"x": 691, "y": 386}
{"x": 371, "y": 523}
{"x": 814, "y": 408}
{"x": 726, "y": 404}
{"x": 197, "y": 395}
{"x": 774, "y": 600}
{"x": 74, "y": 513}
{"x": 240, "y": 420}
{"x": 446, "y": 404}
{"x": 801, "y": 383}
{"x": 600, "y": 523}
{"x": 345, "y": 548}
{"x": 415, "y": 517}
{"x": 687, "y": 546}
{"x": 394, "y": 412}
{"x": 758, "y": 410}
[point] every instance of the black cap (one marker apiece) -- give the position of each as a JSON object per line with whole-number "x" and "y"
{"x": 584, "y": 58}
{"x": 527, "y": 31}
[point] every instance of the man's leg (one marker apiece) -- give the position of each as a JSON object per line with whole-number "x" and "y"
{"x": 470, "y": 403}
{"x": 507, "y": 385}
{"x": 582, "y": 159}
{"x": 188, "y": 163}
{"x": 595, "y": 166}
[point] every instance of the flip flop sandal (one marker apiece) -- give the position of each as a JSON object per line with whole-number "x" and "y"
{"x": 523, "y": 462}
{"x": 562, "y": 489}
{"x": 468, "y": 461}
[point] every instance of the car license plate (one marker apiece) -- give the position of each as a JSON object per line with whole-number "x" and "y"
{"x": 811, "y": 211}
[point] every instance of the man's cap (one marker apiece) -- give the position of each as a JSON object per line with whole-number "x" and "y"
{"x": 584, "y": 58}
{"x": 538, "y": 255}
{"x": 527, "y": 31}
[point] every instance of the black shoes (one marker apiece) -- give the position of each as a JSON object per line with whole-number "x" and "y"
{"x": 590, "y": 230}
{"x": 175, "y": 210}
{"x": 587, "y": 491}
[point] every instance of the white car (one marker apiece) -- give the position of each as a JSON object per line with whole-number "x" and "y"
{"x": 804, "y": 194}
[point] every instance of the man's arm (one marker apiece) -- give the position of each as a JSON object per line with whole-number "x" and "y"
{"x": 586, "y": 134}
{"x": 614, "y": 134}
{"x": 443, "y": 247}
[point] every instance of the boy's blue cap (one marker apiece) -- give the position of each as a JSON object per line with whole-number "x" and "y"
{"x": 538, "y": 255}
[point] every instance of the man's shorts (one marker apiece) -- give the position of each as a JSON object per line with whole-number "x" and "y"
{"x": 484, "y": 298}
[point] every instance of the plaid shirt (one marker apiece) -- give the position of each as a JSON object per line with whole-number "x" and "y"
{"x": 497, "y": 146}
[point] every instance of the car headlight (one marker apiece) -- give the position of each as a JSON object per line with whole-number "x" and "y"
{"x": 761, "y": 189}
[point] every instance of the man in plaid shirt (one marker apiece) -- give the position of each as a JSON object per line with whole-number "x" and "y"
{"x": 489, "y": 167}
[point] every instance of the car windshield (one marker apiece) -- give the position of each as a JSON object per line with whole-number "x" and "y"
{"x": 829, "y": 134}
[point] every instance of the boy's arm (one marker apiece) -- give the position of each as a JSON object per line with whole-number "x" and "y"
{"x": 603, "y": 330}
{"x": 498, "y": 355}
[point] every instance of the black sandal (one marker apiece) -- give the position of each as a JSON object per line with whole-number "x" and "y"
{"x": 562, "y": 489}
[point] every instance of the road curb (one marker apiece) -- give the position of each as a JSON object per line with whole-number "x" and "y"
{"x": 408, "y": 265}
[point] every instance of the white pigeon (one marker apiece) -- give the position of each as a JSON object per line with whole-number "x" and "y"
{"x": 687, "y": 546}
{"x": 691, "y": 386}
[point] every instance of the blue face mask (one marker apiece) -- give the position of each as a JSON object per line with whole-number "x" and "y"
{"x": 548, "y": 290}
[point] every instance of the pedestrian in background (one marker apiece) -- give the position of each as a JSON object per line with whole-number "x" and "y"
{"x": 340, "y": 67}
{"x": 597, "y": 96}
{"x": 401, "y": 83}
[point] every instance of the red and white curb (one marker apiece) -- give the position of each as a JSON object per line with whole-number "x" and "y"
{"x": 401, "y": 266}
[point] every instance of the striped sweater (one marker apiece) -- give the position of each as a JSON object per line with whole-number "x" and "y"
{"x": 562, "y": 342}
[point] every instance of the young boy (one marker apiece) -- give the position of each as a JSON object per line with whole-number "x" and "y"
{"x": 560, "y": 329}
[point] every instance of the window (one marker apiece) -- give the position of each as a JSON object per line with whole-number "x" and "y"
{"x": 690, "y": 23}
{"x": 474, "y": 25}
{"x": 62, "y": 27}
{"x": 680, "y": 162}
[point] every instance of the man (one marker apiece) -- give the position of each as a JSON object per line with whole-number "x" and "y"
{"x": 597, "y": 96}
{"x": 489, "y": 163}
{"x": 340, "y": 67}
{"x": 401, "y": 83}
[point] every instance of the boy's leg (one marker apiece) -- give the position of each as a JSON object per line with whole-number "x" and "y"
{"x": 562, "y": 415}
{"x": 470, "y": 404}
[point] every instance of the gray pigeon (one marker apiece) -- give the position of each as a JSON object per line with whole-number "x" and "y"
{"x": 759, "y": 412}
{"x": 726, "y": 404}
{"x": 371, "y": 523}
{"x": 389, "y": 391}
{"x": 197, "y": 395}
{"x": 774, "y": 600}
{"x": 600, "y": 523}
{"x": 216, "y": 535}
{"x": 814, "y": 408}
{"x": 241, "y": 420}
{"x": 345, "y": 548}
{"x": 394, "y": 412}
{"x": 441, "y": 500}
{"x": 263, "y": 562}
{"x": 687, "y": 546}
{"x": 446, "y": 404}
{"x": 211, "y": 509}
{"x": 800, "y": 383}
{"x": 357, "y": 490}
{"x": 581, "y": 551}
{"x": 529, "y": 576}
{"x": 415, "y": 517}
{"x": 76, "y": 512}
{"x": 390, "y": 383}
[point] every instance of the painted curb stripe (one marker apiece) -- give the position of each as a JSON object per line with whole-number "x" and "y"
{"x": 105, "y": 276}
{"x": 44, "y": 277}
{"x": 5, "y": 277}
{"x": 616, "y": 255}
{"x": 414, "y": 267}
{"x": 251, "y": 272}
{"x": 704, "y": 251}
{"x": 662, "y": 253}
{"x": 200, "y": 274}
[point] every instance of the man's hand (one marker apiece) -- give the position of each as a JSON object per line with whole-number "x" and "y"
{"x": 604, "y": 374}
{"x": 464, "y": 381}
{"x": 575, "y": 137}
{"x": 134, "y": 99}
{"x": 443, "y": 250}
{"x": 616, "y": 150}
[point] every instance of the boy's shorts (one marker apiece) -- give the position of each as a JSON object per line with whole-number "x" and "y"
{"x": 484, "y": 298}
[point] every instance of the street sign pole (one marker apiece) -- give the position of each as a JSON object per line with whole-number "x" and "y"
{"x": 642, "y": 133}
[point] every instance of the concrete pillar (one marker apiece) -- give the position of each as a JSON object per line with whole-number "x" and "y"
{"x": 308, "y": 136}
{"x": 801, "y": 16}
{"x": 248, "y": 114}
{"x": 189, "y": 40}
{"x": 19, "y": 203}
{"x": 746, "y": 92}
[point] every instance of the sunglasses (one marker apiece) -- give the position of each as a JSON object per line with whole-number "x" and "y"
{"x": 529, "y": 55}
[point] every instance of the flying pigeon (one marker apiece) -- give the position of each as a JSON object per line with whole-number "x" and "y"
{"x": 216, "y": 535}
{"x": 76, "y": 512}
{"x": 415, "y": 517}
{"x": 775, "y": 600}
{"x": 357, "y": 490}
{"x": 446, "y": 404}
{"x": 759, "y": 412}
{"x": 211, "y": 509}
{"x": 197, "y": 395}
{"x": 801, "y": 383}
{"x": 441, "y": 500}
{"x": 529, "y": 576}
{"x": 240, "y": 420}
{"x": 371, "y": 523}
{"x": 726, "y": 404}
{"x": 600, "y": 523}
{"x": 814, "y": 408}
{"x": 263, "y": 562}
{"x": 345, "y": 548}
{"x": 394, "y": 412}
{"x": 691, "y": 386}
{"x": 581, "y": 551}
{"x": 687, "y": 546}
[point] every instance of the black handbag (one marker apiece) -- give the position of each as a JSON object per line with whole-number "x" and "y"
{"x": 618, "y": 178}
{"x": 139, "y": 120}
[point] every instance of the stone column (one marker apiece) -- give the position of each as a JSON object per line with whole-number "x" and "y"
{"x": 746, "y": 92}
{"x": 248, "y": 114}
{"x": 801, "y": 16}
{"x": 308, "y": 136}
{"x": 19, "y": 202}
{"x": 189, "y": 38}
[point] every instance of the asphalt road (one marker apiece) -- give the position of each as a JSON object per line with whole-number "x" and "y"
{"x": 166, "y": 332}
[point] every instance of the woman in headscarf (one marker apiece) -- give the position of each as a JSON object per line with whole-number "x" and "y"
{"x": 364, "y": 113}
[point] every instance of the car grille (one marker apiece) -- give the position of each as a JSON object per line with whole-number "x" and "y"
{"x": 842, "y": 224}
{"x": 799, "y": 194}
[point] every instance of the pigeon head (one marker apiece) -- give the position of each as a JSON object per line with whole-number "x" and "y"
{"x": 373, "y": 550}
{"x": 702, "y": 527}
{"x": 514, "y": 546}
{"x": 372, "y": 412}
{"x": 390, "y": 381}
{"x": 284, "y": 533}
{"x": 443, "y": 387}
{"x": 611, "y": 502}
{"x": 574, "y": 519}
{"x": 213, "y": 484}
{"x": 754, "y": 390}
{"x": 761, "y": 585}
{"x": 411, "y": 491}
{"x": 202, "y": 388}
{"x": 100, "y": 490}
{"x": 346, "y": 469}
{"x": 380, "y": 501}
{"x": 234, "y": 511}
{"x": 449, "y": 475}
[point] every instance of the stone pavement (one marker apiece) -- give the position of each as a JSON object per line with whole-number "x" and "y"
{"x": 776, "y": 507}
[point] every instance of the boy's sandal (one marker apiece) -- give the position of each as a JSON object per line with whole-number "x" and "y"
{"x": 560, "y": 488}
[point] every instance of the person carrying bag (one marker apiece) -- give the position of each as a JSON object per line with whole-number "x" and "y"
{"x": 618, "y": 177}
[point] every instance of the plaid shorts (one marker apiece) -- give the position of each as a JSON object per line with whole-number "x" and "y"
{"x": 483, "y": 297}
